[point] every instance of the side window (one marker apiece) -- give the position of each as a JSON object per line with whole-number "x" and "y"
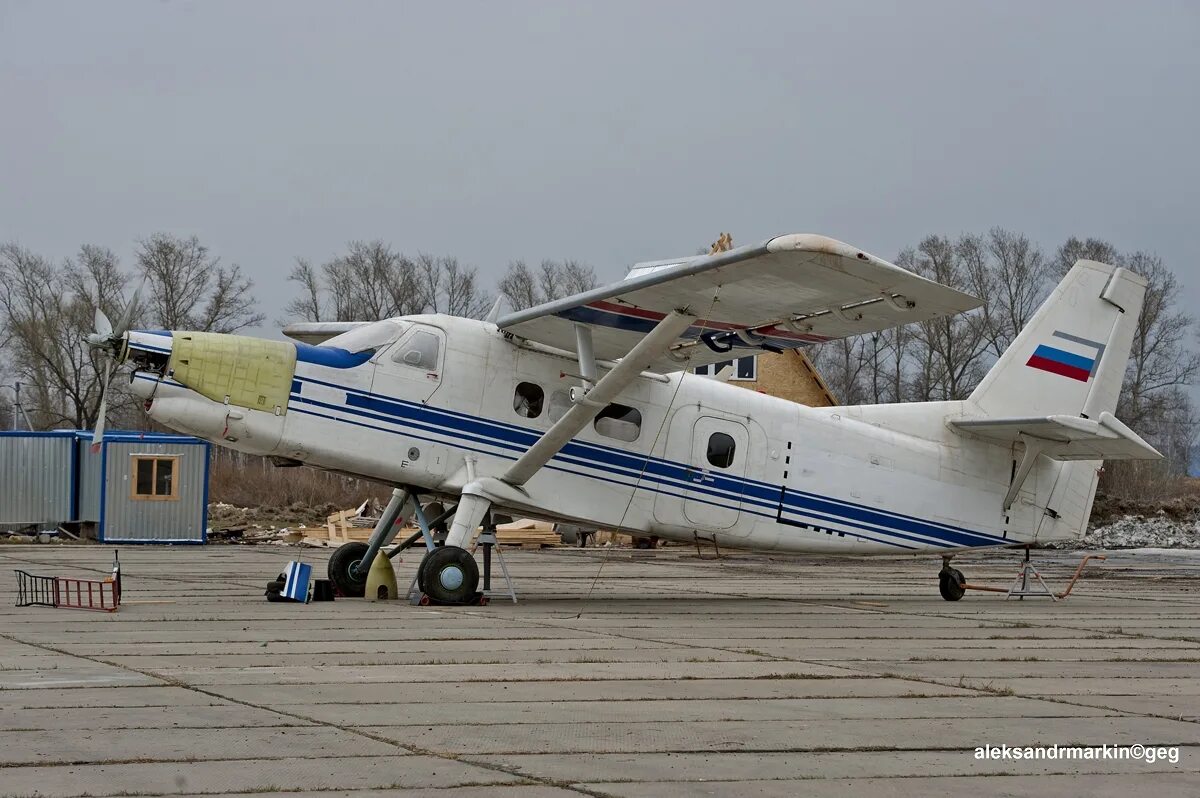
{"x": 619, "y": 421}
{"x": 721, "y": 448}
{"x": 528, "y": 399}
{"x": 419, "y": 350}
{"x": 154, "y": 478}
{"x": 560, "y": 403}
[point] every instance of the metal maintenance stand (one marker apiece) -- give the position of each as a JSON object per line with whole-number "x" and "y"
{"x": 487, "y": 539}
{"x": 1021, "y": 585}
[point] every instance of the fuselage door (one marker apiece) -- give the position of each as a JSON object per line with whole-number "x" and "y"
{"x": 411, "y": 369}
{"x": 720, "y": 451}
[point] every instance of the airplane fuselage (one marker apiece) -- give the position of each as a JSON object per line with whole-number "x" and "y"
{"x": 681, "y": 457}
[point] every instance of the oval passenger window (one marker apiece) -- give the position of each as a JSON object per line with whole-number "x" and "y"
{"x": 720, "y": 450}
{"x": 528, "y": 399}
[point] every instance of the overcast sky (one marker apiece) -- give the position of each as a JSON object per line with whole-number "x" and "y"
{"x": 608, "y": 132}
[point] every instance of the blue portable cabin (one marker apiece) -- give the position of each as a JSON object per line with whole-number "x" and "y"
{"x": 139, "y": 487}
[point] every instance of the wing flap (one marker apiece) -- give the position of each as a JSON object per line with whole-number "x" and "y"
{"x": 785, "y": 293}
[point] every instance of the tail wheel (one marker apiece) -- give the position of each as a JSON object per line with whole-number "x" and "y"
{"x": 450, "y": 575}
{"x": 952, "y": 584}
{"x": 345, "y": 571}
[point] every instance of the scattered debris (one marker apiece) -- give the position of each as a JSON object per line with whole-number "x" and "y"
{"x": 1160, "y": 531}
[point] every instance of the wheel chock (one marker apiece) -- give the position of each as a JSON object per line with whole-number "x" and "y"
{"x": 381, "y": 580}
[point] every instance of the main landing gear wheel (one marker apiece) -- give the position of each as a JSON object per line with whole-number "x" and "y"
{"x": 952, "y": 584}
{"x": 450, "y": 575}
{"x": 347, "y": 575}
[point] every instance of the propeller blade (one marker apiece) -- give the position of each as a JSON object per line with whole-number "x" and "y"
{"x": 103, "y": 327}
{"x": 131, "y": 308}
{"x": 102, "y": 416}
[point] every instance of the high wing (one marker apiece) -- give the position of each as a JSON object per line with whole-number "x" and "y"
{"x": 785, "y": 293}
{"x": 317, "y": 332}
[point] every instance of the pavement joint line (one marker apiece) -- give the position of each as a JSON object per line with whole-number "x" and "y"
{"x": 445, "y": 755}
{"x": 987, "y": 689}
{"x": 1056, "y": 700}
{"x": 143, "y": 760}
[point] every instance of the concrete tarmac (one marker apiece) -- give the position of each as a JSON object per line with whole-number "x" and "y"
{"x": 619, "y": 673}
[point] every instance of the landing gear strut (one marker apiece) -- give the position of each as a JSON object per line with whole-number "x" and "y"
{"x": 447, "y": 573}
{"x": 951, "y": 582}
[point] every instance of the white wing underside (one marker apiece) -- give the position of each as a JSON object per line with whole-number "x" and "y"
{"x": 317, "y": 332}
{"x": 788, "y": 292}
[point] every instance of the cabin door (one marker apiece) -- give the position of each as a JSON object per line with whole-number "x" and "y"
{"x": 411, "y": 369}
{"x": 715, "y": 473}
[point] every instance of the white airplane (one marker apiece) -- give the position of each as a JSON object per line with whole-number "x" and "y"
{"x": 586, "y": 410}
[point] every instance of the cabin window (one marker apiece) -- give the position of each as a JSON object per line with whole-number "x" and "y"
{"x": 744, "y": 368}
{"x": 420, "y": 350}
{"x": 560, "y": 403}
{"x": 721, "y": 448}
{"x": 619, "y": 421}
{"x": 528, "y": 399}
{"x": 154, "y": 477}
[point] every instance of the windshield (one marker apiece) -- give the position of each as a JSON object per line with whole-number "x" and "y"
{"x": 370, "y": 336}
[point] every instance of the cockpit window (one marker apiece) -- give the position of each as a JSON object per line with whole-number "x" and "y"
{"x": 370, "y": 336}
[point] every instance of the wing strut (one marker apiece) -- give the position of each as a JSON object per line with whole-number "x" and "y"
{"x": 478, "y": 494}
{"x": 588, "y": 404}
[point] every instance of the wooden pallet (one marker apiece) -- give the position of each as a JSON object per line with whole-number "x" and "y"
{"x": 527, "y": 534}
{"x": 342, "y": 528}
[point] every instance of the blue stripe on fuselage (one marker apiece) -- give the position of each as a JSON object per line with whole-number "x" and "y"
{"x": 661, "y": 472}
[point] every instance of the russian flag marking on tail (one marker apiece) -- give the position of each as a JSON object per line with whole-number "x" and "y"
{"x": 1065, "y": 362}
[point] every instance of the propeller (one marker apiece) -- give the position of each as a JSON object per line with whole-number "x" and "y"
{"x": 111, "y": 342}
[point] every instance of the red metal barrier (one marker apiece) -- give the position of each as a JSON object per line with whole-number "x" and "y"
{"x": 86, "y": 594}
{"x": 103, "y": 595}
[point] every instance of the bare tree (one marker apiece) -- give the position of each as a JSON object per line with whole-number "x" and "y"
{"x": 1160, "y": 360}
{"x": 47, "y": 314}
{"x": 373, "y": 281}
{"x": 310, "y": 305}
{"x": 844, "y": 365}
{"x": 1074, "y": 249}
{"x": 449, "y": 287}
{"x": 520, "y": 286}
{"x": 553, "y": 280}
{"x": 952, "y": 360}
{"x": 1009, "y": 272}
{"x": 190, "y": 290}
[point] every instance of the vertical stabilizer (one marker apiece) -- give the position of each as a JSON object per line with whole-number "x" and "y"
{"x": 1071, "y": 356}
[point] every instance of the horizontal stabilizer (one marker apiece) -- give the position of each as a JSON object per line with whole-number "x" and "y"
{"x": 1063, "y": 437}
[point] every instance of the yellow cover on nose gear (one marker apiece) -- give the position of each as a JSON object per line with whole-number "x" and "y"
{"x": 246, "y": 372}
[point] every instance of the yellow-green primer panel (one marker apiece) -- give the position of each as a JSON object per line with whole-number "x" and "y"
{"x": 248, "y": 372}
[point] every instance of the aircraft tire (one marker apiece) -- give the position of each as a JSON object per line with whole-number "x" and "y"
{"x": 344, "y": 556}
{"x": 421, "y": 572}
{"x": 451, "y": 575}
{"x": 951, "y": 584}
